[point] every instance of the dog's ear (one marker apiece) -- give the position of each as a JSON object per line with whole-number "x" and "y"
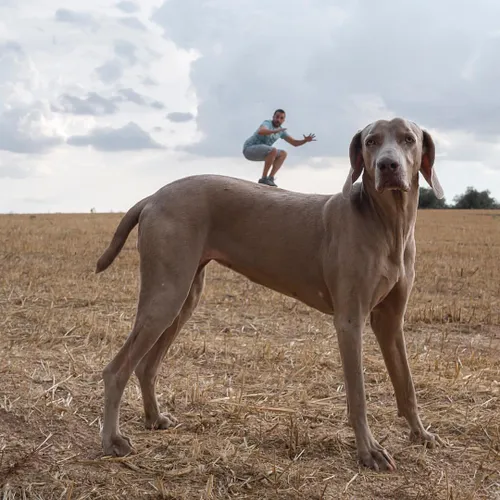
{"x": 427, "y": 165}
{"x": 357, "y": 165}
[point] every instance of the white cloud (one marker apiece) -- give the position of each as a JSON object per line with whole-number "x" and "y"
{"x": 28, "y": 129}
{"x": 27, "y": 124}
{"x": 42, "y": 106}
{"x": 13, "y": 171}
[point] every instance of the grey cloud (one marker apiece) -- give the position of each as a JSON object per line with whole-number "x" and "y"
{"x": 110, "y": 71}
{"x": 436, "y": 65}
{"x": 132, "y": 96}
{"x": 11, "y": 46}
{"x": 179, "y": 117}
{"x": 442, "y": 76}
{"x": 93, "y": 104}
{"x": 229, "y": 39}
{"x": 127, "y": 138}
{"x": 132, "y": 22}
{"x": 127, "y": 6}
{"x": 148, "y": 81}
{"x": 126, "y": 50}
{"x": 157, "y": 105}
{"x": 82, "y": 19}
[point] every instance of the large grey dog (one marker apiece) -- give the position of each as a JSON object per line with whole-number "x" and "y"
{"x": 349, "y": 255}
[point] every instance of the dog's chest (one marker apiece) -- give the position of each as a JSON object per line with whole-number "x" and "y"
{"x": 389, "y": 274}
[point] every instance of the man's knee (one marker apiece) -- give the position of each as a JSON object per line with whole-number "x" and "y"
{"x": 273, "y": 153}
{"x": 283, "y": 154}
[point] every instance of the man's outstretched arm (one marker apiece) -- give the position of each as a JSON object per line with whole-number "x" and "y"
{"x": 300, "y": 142}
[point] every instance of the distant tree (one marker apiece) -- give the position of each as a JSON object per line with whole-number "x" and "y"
{"x": 474, "y": 199}
{"x": 427, "y": 199}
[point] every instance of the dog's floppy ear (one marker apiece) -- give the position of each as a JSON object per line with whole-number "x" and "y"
{"x": 357, "y": 165}
{"x": 427, "y": 165}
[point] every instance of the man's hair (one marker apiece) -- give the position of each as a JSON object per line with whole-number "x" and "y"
{"x": 279, "y": 111}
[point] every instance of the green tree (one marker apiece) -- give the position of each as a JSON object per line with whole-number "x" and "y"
{"x": 474, "y": 199}
{"x": 427, "y": 199}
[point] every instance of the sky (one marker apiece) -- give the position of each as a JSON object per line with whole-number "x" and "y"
{"x": 103, "y": 102}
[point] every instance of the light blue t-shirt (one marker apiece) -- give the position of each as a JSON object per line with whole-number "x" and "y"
{"x": 267, "y": 140}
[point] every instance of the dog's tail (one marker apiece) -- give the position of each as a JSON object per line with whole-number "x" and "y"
{"x": 128, "y": 222}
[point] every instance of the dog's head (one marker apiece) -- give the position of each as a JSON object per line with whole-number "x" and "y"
{"x": 392, "y": 153}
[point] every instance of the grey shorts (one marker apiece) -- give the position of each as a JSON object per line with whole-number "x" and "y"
{"x": 258, "y": 152}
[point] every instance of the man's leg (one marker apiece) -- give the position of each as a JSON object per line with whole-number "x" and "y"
{"x": 269, "y": 162}
{"x": 278, "y": 162}
{"x": 261, "y": 152}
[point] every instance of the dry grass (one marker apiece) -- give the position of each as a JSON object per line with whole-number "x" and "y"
{"x": 254, "y": 379}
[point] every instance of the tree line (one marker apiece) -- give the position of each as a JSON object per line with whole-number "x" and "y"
{"x": 471, "y": 199}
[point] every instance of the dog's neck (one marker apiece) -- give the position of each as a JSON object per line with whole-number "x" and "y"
{"x": 395, "y": 211}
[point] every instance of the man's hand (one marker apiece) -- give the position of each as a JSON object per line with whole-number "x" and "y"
{"x": 309, "y": 138}
{"x": 300, "y": 142}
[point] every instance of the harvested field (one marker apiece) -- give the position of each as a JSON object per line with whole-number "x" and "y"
{"x": 254, "y": 378}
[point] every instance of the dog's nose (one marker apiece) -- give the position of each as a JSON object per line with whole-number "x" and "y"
{"x": 388, "y": 164}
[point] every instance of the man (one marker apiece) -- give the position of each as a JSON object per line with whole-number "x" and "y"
{"x": 259, "y": 147}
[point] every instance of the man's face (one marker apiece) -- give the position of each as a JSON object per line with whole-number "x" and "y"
{"x": 278, "y": 119}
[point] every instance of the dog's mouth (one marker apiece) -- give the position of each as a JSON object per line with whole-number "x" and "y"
{"x": 392, "y": 184}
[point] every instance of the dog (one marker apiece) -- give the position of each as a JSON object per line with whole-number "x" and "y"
{"x": 350, "y": 255}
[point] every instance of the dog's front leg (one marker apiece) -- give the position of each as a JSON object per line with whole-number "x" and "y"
{"x": 349, "y": 325}
{"x": 387, "y": 324}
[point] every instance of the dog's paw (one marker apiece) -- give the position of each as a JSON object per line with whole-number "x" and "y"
{"x": 376, "y": 457}
{"x": 428, "y": 439}
{"x": 117, "y": 446}
{"x": 163, "y": 421}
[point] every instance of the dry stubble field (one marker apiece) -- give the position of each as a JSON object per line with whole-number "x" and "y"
{"x": 255, "y": 378}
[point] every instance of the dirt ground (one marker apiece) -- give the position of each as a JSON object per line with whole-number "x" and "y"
{"x": 254, "y": 378}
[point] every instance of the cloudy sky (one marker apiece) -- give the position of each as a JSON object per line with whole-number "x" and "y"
{"x": 104, "y": 101}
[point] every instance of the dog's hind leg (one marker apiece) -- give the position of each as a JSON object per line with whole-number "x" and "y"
{"x": 168, "y": 266}
{"x": 147, "y": 369}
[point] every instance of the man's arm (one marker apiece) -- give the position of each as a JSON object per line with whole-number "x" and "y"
{"x": 299, "y": 142}
{"x": 263, "y": 130}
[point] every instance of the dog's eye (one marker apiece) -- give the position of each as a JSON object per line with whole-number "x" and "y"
{"x": 409, "y": 139}
{"x": 370, "y": 142}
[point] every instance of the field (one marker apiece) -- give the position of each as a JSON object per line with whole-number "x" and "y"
{"x": 254, "y": 378}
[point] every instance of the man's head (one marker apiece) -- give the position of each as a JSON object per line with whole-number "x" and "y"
{"x": 392, "y": 153}
{"x": 278, "y": 118}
